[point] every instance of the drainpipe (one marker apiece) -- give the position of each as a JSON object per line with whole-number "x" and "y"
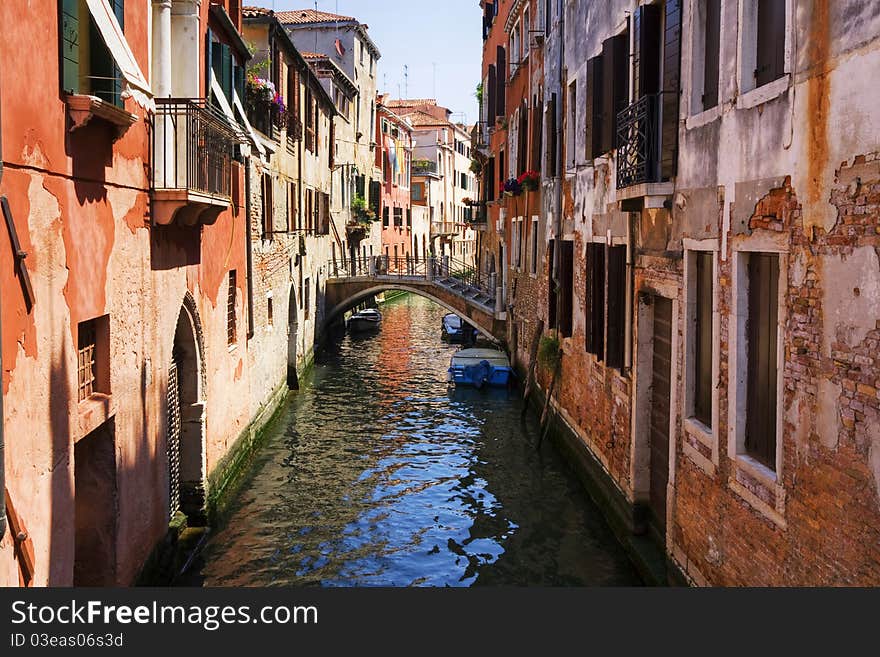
{"x": 560, "y": 160}
{"x": 249, "y": 246}
{"x": 2, "y": 416}
{"x": 630, "y": 280}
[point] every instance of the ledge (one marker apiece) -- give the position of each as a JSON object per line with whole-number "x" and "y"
{"x": 94, "y": 411}
{"x": 187, "y": 207}
{"x": 703, "y": 118}
{"x": 764, "y": 93}
{"x": 82, "y": 109}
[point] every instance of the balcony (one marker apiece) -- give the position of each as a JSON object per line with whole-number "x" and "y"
{"x": 443, "y": 229}
{"x": 193, "y": 150}
{"x": 424, "y": 168}
{"x": 638, "y": 150}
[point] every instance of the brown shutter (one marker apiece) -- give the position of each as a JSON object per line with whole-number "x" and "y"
{"x": 703, "y": 341}
{"x": 593, "y": 102}
{"x": 552, "y": 137}
{"x": 492, "y": 94}
{"x": 501, "y": 81}
{"x": 762, "y": 331}
{"x": 615, "y": 86}
{"x": 713, "y": 48}
{"x": 595, "y": 342}
{"x": 616, "y": 305}
{"x": 770, "y": 63}
{"x": 537, "y": 128}
{"x": 646, "y": 51}
{"x": 566, "y": 282}
{"x": 523, "y": 139}
{"x": 671, "y": 90}
{"x": 551, "y": 287}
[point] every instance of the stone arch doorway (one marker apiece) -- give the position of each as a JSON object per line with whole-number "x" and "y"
{"x": 185, "y": 438}
{"x": 292, "y": 337}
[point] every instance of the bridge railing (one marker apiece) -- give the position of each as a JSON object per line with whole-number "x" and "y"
{"x": 444, "y": 270}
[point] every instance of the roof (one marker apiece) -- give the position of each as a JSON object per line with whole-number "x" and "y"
{"x": 312, "y": 55}
{"x": 253, "y": 12}
{"x": 411, "y": 102}
{"x": 305, "y": 16}
{"x": 424, "y": 119}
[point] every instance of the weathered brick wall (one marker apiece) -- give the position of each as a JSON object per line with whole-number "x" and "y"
{"x": 829, "y": 531}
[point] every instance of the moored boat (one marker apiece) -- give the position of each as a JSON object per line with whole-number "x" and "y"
{"x": 365, "y": 320}
{"x": 455, "y": 329}
{"x": 480, "y": 367}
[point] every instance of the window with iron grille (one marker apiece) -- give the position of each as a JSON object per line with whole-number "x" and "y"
{"x": 231, "y": 335}
{"x": 93, "y": 357}
{"x": 87, "y": 67}
{"x": 398, "y": 216}
{"x": 86, "y": 357}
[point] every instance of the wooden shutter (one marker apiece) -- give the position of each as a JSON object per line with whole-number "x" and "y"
{"x": 501, "y": 81}
{"x": 489, "y": 177}
{"x": 593, "y": 100}
{"x": 616, "y": 334}
{"x": 671, "y": 90}
{"x": 770, "y": 63}
{"x": 712, "y": 53}
{"x": 536, "y": 130}
{"x": 615, "y": 86}
{"x": 763, "y": 290}
{"x": 703, "y": 338}
{"x": 551, "y": 286}
{"x": 595, "y": 329}
{"x": 492, "y": 95}
{"x": 226, "y": 73}
{"x": 332, "y": 143}
{"x": 375, "y": 194}
{"x": 646, "y": 50}
{"x": 523, "y": 139}
{"x": 566, "y": 282}
{"x": 551, "y": 136}
{"x": 70, "y": 35}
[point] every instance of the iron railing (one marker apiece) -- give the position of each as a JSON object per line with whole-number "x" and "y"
{"x": 424, "y": 167}
{"x": 461, "y": 276}
{"x": 193, "y": 147}
{"x": 638, "y": 132}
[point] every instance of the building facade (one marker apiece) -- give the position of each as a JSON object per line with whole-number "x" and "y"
{"x": 394, "y": 159}
{"x": 707, "y": 264}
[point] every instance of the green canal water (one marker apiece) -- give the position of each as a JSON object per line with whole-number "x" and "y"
{"x": 378, "y": 474}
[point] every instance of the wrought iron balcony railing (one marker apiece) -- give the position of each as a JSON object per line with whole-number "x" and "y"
{"x": 424, "y": 167}
{"x": 638, "y": 142}
{"x": 193, "y": 147}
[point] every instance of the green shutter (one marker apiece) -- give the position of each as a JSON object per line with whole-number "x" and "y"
{"x": 70, "y": 46}
{"x": 238, "y": 80}
{"x": 119, "y": 10}
{"x": 226, "y": 72}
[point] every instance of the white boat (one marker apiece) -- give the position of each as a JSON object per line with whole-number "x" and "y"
{"x": 365, "y": 320}
{"x": 478, "y": 367}
{"x": 455, "y": 329}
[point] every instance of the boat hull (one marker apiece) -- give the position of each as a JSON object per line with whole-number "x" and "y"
{"x": 479, "y": 368}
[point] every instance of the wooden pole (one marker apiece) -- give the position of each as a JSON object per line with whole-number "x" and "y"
{"x": 533, "y": 355}
{"x": 545, "y": 424}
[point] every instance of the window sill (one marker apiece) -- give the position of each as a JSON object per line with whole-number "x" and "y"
{"x": 699, "y": 445}
{"x": 94, "y": 411}
{"x": 82, "y": 109}
{"x": 703, "y": 118}
{"x": 759, "y": 486}
{"x": 764, "y": 93}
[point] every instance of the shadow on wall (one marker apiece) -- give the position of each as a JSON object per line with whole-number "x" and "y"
{"x": 91, "y": 150}
{"x": 172, "y": 247}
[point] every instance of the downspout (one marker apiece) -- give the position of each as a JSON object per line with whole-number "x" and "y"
{"x": 560, "y": 160}
{"x": 249, "y": 247}
{"x": 2, "y": 416}
{"x": 630, "y": 285}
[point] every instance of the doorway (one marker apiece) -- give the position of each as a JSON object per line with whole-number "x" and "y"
{"x": 661, "y": 389}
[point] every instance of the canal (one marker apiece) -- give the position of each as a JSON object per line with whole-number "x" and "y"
{"x": 377, "y": 474}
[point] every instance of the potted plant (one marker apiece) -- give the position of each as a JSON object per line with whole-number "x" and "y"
{"x": 529, "y": 180}
{"x": 512, "y": 187}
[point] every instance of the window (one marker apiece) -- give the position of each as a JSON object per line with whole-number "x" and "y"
{"x": 310, "y": 210}
{"x": 501, "y": 86}
{"x": 551, "y": 137}
{"x": 93, "y": 357}
{"x": 291, "y": 206}
{"x": 763, "y": 42}
{"x": 231, "y": 336}
{"x": 700, "y": 334}
{"x": 615, "y": 87}
{"x": 595, "y": 287}
{"x": 593, "y": 109}
{"x": 268, "y": 210}
{"x": 615, "y": 338}
{"x": 409, "y": 218}
{"x": 707, "y": 34}
{"x": 270, "y": 311}
{"x": 762, "y": 336}
{"x": 308, "y": 305}
{"x": 566, "y": 288}
{"x": 310, "y": 128}
{"x": 87, "y": 65}
{"x": 534, "y": 232}
{"x": 398, "y": 217}
{"x": 536, "y": 130}
{"x": 526, "y": 36}
{"x": 385, "y": 215}
{"x": 514, "y": 50}
{"x": 418, "y": 192}
{"x": 571, "y": 128}
{"x": 501, "y": 173}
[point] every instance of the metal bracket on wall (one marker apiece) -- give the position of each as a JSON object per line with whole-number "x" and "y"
{"x": 19, "y": 255}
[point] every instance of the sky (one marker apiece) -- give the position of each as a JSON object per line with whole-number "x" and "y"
{"x": 420, "y": 34}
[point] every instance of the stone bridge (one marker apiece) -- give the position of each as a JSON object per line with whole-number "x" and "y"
{"x": 457, "y": 289}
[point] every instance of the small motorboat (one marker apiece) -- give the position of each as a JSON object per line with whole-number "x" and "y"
{"x": 365, "y": 320}
{"x": 479, "y": 367}
{"x": 455, "y": 329}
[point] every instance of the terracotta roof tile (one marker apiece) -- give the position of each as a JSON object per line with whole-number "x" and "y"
{"x": 424, "y": 119}
{"x": 312, "y": 55}
{"x": 305, "y": 16}
{"x": 254, "y": 12}
{"x": 411, "y": 102}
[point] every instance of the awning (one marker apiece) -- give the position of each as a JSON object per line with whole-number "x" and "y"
{"x": 137, "y": 86}
{"x": 247, "y": 124}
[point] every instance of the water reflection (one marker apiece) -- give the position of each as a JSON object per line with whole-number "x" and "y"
{"x": 377, "y": 474}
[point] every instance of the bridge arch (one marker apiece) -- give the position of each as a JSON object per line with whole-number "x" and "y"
{"x": 483, "y": 322}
